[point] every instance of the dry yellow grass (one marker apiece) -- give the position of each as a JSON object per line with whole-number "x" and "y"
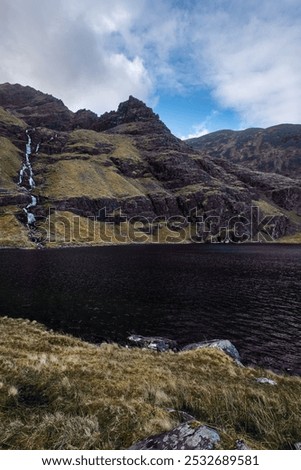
{"x": 295, "y": 238}
{"x": 93, "y": 180}
{"x": 122, "y": 146}
{"x": 10, "y": 120}
{"x": 12, "y": 233}
{"x": 10, "y": 163}
{"x": 58, "y": 392}
{"x": 64, "y": 228}
{"x": 86, "y": 160}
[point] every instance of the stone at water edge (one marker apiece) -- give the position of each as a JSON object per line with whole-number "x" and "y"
{"x": 241, "y": 445}
{"x": 222, "y": 344}
{"x": 265, "y": 380}
{"x": 187, "y": 436}
{"x": 156, "y": 343}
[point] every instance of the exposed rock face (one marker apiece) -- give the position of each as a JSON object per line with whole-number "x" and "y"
{"x": 128, "y": 161}
{"x": 35, "y": 107}
{"x": 186, "y": 436}
{"x": 223, "y": 344}
{"x": 18, "y": 199}
{"x": 274, "y": 150}
{"x": 130, "y": 111}
{"x": 84, "y": 119}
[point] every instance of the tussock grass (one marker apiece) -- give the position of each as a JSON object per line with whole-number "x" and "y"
{"x": 269, "y": 208}
{"x": 91, "y": 167}
{"x": 9, "y": 119}
{"x": 295, "y": 238}
{"x": 121, "y": 145}
{"x": 93, "y": 180}
{"x": 12, "y": 233}
{"x": 58, "y": 392}
{"x": 64, "y": 228}
{"x": 10, "y": 163}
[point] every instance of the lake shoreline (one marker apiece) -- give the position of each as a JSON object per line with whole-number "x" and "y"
{"x": 71, "y": 246}
{"x": 134, "y": 394}
{"x": 248, "y": 294}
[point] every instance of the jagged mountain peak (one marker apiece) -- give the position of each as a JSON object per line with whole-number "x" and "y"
{"x": 40, "y": 109}
{"x": 136, "y": 109}
{"x": 132, "y": 110}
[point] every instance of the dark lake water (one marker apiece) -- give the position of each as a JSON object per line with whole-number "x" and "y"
{"x": 249, "y": 294}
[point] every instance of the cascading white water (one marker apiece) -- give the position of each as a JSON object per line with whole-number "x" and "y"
{"x": 33, "y": 202}
{"x": 30, "y": 217}
{"x": 26, "y": 167}
{"x": 26, "y": 172}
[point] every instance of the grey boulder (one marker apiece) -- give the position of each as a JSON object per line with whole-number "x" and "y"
{"x": 264, "y": 380}
{"x": 155, "y": 343}
{"x": 187, "y": 436}
{"x": 222, "y": 344}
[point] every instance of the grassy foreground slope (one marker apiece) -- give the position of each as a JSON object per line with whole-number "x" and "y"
{"x": 58, "y": 392}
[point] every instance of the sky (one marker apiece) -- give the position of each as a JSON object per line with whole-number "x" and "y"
{"x": 202, "y": 65}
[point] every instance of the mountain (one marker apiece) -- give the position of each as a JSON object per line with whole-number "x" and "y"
{"x": 78, "y": 178}
{"x": 276, "y": 149}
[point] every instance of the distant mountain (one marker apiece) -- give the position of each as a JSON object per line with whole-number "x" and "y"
{"x": 276, "y": 149}
{"x": 60, "y": 170}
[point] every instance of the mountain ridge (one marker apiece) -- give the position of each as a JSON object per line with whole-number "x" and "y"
{"x": 128, "y": 162}
{"x": 276, "y": 149}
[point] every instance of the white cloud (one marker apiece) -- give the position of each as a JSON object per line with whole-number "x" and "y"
{"x": 197, "y": 131}
{"x": 203, "y": 128}
{"x": 69, "y": 49}
{"x": 95, "y": 53}
{"x": 251, "y": 61}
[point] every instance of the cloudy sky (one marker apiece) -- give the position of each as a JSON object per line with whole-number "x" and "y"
{"x": 202, "y": 64}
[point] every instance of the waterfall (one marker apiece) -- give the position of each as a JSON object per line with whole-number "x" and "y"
{"x": 33, "y": 202}
{"x": 26, "y": 167}
{"x": 26, "y": 179}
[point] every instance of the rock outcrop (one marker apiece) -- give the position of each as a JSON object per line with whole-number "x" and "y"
{"x": 222, "y": 344}
{"x": 155, "y": 343}
{"x": 187, "y": 436}
{"x": 130, "y": 111}
{"x": 37, "y": 109}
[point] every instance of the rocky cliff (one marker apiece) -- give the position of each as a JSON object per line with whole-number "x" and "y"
{"x": 273, "y": 150}
{"x": 64, "y": 174}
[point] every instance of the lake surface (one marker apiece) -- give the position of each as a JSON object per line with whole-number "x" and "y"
{"x": 249, "y": 294}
